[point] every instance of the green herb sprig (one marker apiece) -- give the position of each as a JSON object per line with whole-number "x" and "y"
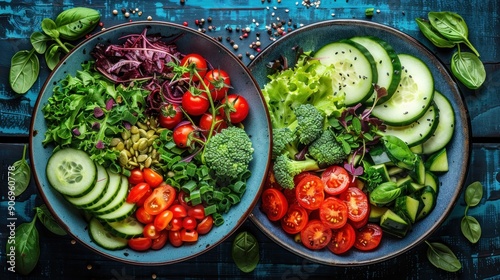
{"x": 441, "y": 256}
{"x": 469, "y": 225}
{"x": 21, "y": 174}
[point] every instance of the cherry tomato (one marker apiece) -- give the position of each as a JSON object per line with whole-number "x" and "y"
{"x": 181, "y": 199}
{"x": 188, "y": 235}
{"x": 336, "y": 179}
{"x": 175, "y": 224}
{"x": 170, "y": 116}
{"x": 368, "y": 237}
{"x": 160, "y": 242}
{"x": 315, "y": 235}
{"x": 174, "y": 236}
{"x": 205, "y": 123}
{"x": 150, "y": 231}
{"x": 140, "y": 243}
{"x": 300, "y": 176}
{"x": 136, "y": 176}
{"x": 195, "y": 63}
{"x": 178, "y": 210}
{"x": 195, "y": 104}
{"x": 205, "y": 225}
{"x": 163, "y": 219}
{"x": 363, "y": 222}
{"x": 236, "y": 106}
{"x": 333, "y": 212}
{"x": 274, "y": 204}
{"x": 141, "y": 201}
{"x": 218, "y": 82}
{"x": 137, "y": 192}
{"x": 153, "y": 178}
{"x": 143, "y": 217}
{"x": 310, "y": 192}
{"x": 342, "y": 239}
{"x": 357, "y": 203}
{"x": 295, "y": 219}
{"x": 182, "y": 135}
{"x": 161, "y": 198}
{"x": 197, "y": 212}
{"x": 189, "y": 223}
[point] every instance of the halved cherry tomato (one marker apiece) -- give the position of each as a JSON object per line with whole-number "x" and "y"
{"x": 189, "y": 235}
{"x": 342, "y": 239}
{"x": 163, "y": 219}
{"x": 153, "y": 178}
{"x": 218, "y": 82}
{"x": 175, "y": 224}
{"x": 336, "y": 179}
{"x": 195, "y": 63}
{"x": 143, "y": 217}
{"x": 195, "y": 104}
{"x": 333, "y": 212}
{"x": 295, "y": 219}
{"x": 161, "y": 198}
{"x": 140, "y": 203}
{"x": 300, "y": 176}
{"x": 274, "y": 204}
{"x": 310, "y": 192}
{"x": 170, "y": 116}
{"x": 197, "y": 212}
{"x": 205, "y": 225}
{"x": 181, "y": 199}
{"x": 205, "y": 123}
{"x": 236, "y": 106}
{"x": 315, "y": 235}
{"x": 182, "y": 135}
{"x": 160, "y": 242}
{"x": 137, "y": 192}
{"x": 150, "y": 231}
{"x": 368, "y": 237}
{"x": 140, "y": 243}
{"x": 189, "y": 223}
{"x": 362, "y": 223}
{"x": 178, "y": 210}
{"x": 357, "y": 203}
{"x": 174, "y": 236}
{"x": 136, "y": 176}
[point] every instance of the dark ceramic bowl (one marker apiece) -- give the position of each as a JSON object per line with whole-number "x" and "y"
{"x": 311, "y": 38}
{"x": 257, "y": 125}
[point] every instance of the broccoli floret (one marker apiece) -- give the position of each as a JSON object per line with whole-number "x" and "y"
{"x": 229, "y": 152}
{"x": 326, "y": 150}
{"x": 286, "y": 168}
{"x": 284, "y": 140}
{"x": 310, "y": 123}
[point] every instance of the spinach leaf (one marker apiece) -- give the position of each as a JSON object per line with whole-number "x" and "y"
{"x": 53, "y": 56}
{"x": 48, "y": 220}
{"x": 21, "y": 174}
{"x": 452, "y": 26}
{"x": 27, "y": 247}
{"x": 24, "y": 70}
{"x": 74, "y": 23}
{"x": 39, "y": 41}
{"x": 442, "y": 257}
{"x": 435, "y": 37}
{"x": 468, "y": 69}
{"x": 245, "y": 251}
{"x": 399, "y": 152}
{"x": 49, "y": 27}
{"x": 471, "y": 228}
{"x": 473, "y": 194}
{"x": 385, "y": 193}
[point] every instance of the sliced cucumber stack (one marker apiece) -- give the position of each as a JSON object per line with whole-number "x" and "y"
{"x": 97, "y": 192}
{"x": 446, "y": 126}
{"x": 104, "y": 237}
{"x": 355, "y": 70}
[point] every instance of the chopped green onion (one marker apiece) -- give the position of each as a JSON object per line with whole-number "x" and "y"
{"x": 238, "y": 187}
{"x": 211, "y": 209}
{"x": 195, "y": 197}
{"x": 225, "y": 190}
{"x": 189, "y": 187}
{"x": 233, "y": 198}
{"x": 218, "y": 219}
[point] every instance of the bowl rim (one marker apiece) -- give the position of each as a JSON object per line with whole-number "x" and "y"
{"x": 462, "y": 114}
{"x": 32, "y": 133}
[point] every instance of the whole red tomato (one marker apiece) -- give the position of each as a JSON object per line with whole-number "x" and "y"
{"x": 218, "y": 83}
{"x": 182, "y": 135}
{"x": 195, "y": 104}
{"x": 196, "y": 64}
{"x": 170, "y": 116}
{"x": 235, "y": 107}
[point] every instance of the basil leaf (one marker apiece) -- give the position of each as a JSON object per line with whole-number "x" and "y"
{"x": 48, "y": 220}
{"x": 442, "y": 257}
{"x": 75, "y": 23}
{"x": 39, "y": 41}
{"x": 53, "y": 56}
{"x": 468, "y": 69}
{"x": 21, "y": 174}
{"x": 245, "y": 251}
{"x": 452, "y": 26}
{"x": 430, "y": 33}
{"x": 24, "y": 69}
{"x": 384, "y": 193}
{"x": 26, "y": 247}
{"x": 49, "y": 27}
{"x": 471, "y": 228}
{"x": 473, "y": 194}
{"x": 399, "y": 152}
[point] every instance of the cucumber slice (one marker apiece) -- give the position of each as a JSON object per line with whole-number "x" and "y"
{"x": 428, "y": 197}
{"x": 118, "y": 200}
{"x": 394, "y": 224}
{"x": 355, "y": 70}
{"x": 127, "y": 228}
{"x": 104, "y": 238}
{"x": 119, "y": 214}
{"x": 419, "y": 131}
{"x": 96, "y": 193}
{"x": 446, "y": 126}
{"x": 413, "y": 96}
{"x": 438, "y": 162}
{"x": 111, "y": 191}
{"x": 409, "y": 206}
{"x": 432, "y": 181}
{"x": 387, "y": 64}
{"x": 71, "y": 172}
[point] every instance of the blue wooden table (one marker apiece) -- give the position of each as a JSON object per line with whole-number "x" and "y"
{"x": 62, "y": 258}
